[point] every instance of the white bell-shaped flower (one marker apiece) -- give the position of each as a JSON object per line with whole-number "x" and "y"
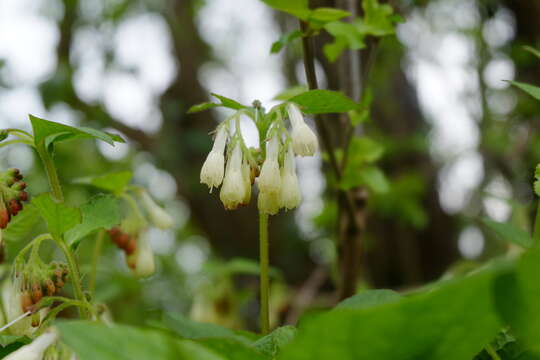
{"x": 304, "y": 140}
{"x": 233, "y": 190}
{"x": 290, "y": 190}
{"x": 36, "y": 349}
{"x": 268, "y": 203}
{"x": 158, "y": 216}
{"x": 270, "y": 177}
{"x": 246, "y": 177}
{"x": 213, "y": 168}
{"x": 142, "y": 260}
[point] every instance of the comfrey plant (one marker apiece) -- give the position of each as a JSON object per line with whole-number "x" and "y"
{"x": 31, "y": 297}
{"x": 271, "y": 166}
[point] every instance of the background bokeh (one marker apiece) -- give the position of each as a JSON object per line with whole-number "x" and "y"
{"x": 460, "y": 143}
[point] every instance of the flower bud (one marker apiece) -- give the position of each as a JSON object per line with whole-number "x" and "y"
{"x": 270, "y": 178}
{"x": 142, "y": 261}
{"x": 34, "y": 350}
{"x": 233, "y": 190}
{"x": 158, "y": 215}
{"x": 290, "y": 196}
{"x": 304, "y": 139}
{"x": 213, "y": 168}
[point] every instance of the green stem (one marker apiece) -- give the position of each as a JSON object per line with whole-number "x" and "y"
{"x": 264, "y": 282}
{"x": 536, "y": 231}
{"x": 54, "y": 182}
{"x": 492, "y": 352}
{"x": 74, "y": 274}
{"x": 95, "y": 260}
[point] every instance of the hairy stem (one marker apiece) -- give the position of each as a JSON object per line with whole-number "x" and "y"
{"x": 95, "y": 260}
{"x": 264, "y": 282}
{"x": 52, "y": 175}
{"x": 74, "y": 275}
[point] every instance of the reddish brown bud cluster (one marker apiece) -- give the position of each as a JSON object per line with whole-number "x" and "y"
{"x": 12, "y": 195}
{"x": 123, "y": 240}
{"x": 33, "y": 291}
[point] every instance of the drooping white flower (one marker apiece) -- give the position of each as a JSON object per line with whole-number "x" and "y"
{"x": 246, "y": 177}
{"x": 213, "y": 168}
{"x": 157, "y": 214}
{"x": 142, "y": 260}
{"x": 268, "y": 203}
{"x": 36, "y": 349}
{"x": 233, "y": 190}
{"x": 290, "y": 191}
{"x": 11, "y": 300}
{"x": 270, "y": 177}
{"x": 304, "y": 140}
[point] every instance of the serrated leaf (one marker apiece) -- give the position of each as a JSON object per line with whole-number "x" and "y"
{"x": 298, "y": 8}
{"x": 100, "y": 212}
{"x": 190, "y": 329}
{"x": 285, "y": 40}
{"x": 115, "y": 182}
{"x": 21, "y": 224}
{"x": 509, "y": 233}
{"x": 202, "y": 106}
{"x": 453, "y": 321}
{"x": 370, "y": 298}
{"x": 324, "y": 101}
{"x": 58, "y": 216}
{"x": 271, "y": 344}
{"x": 286, "y": 95}
{"x": 230, "y": 103}
{"x": 48, "y": 132}
{"x": 532, "y": 90}
{"x": 92, "y": 340}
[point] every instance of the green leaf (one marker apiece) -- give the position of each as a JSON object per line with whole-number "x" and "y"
{"x": 532, "y": 51}
{"x": 517, "y": 300}
{"x": 320, "y": 16}
{"x": 271, "y": 344}
{"x": 190, "y": 329}
{"x": 370, "y": 176}
{"x": 298, "y": 8}
{"x": 291, "y": 92}
{"x": 346, "y": 35}
{"x": 509, "y": 233}
{"x": 324, "y": 101}
{"x": 378, "y": 20}
{"x": 230, "y": 103}
{"x": 100, "y": 212}
{"x": 48, "y": 132}
{"x": 364, "y": 150}
{"x": 537, "y": 180}
{"x": 202, "y": 106}
{"x": 532, "y": 90}
{"x": 231, "y": 349}
{"x": 370, "y": 298}
{"x": 21, "y": 224}
{"x": 285, "y": 40}
{"x": 59, "y": 217}
{"x": 92, "y": 340}
{"x": 453, "y": 321}
{"x": 115, "y": 182}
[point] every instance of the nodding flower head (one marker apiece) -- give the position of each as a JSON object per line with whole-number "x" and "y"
{"x": 36, "y": 349}
{"x": 233, "y": 191}
{"x": 213, "y": 168}
{"x": 158, "y": 216}
{"x": 304, "y": 139}
{"x": 12, "y": 195}
{"x": 290, "y": 196}
{"x": 141, "y": 261}
{"x": 270, "y": 178}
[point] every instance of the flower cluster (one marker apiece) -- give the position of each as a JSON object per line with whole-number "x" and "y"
{"x": 231, "y": 164}
{"x": 12, "y": 195}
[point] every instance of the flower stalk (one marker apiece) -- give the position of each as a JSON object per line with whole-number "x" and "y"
{"x": 264, "y": 280}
